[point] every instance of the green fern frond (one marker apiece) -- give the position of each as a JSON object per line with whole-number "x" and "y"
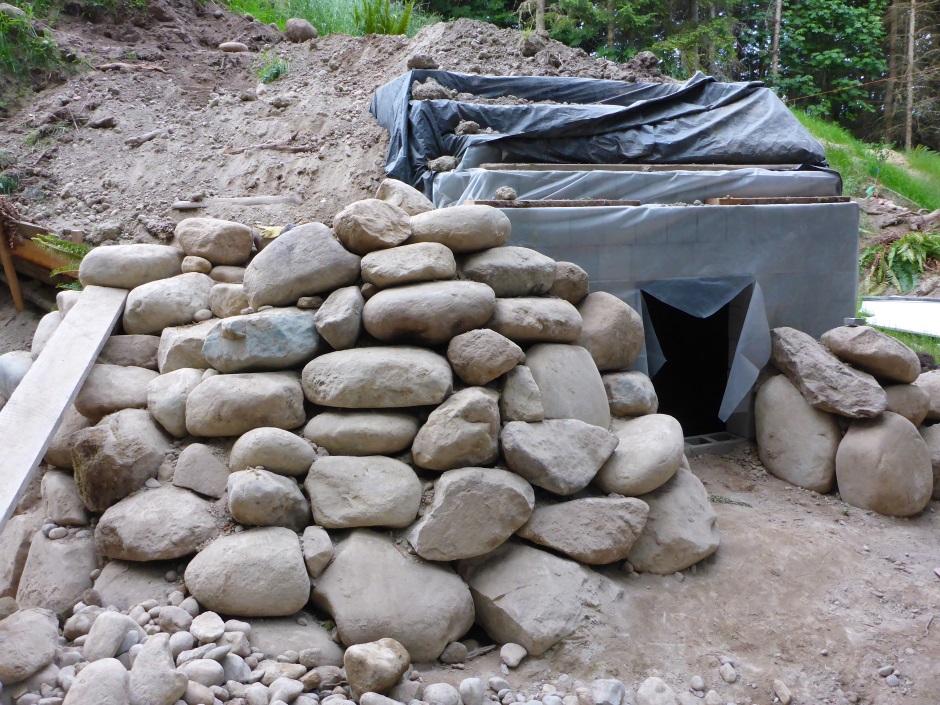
{"x": 73, "y": 251}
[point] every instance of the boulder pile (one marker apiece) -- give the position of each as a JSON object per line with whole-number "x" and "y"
{"x": 398, "y": 427}
{"x": 852, "y": 412}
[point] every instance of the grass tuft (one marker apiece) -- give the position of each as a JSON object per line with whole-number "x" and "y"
{"x": 24, "y": 52}
{"x": 272, "y": 67}
{"x": 335, "y": 16}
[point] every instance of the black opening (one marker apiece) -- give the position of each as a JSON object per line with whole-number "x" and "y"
{"x": 691, "y": 384}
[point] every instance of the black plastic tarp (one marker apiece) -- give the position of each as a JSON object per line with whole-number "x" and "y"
{"x": 592, "y": 121}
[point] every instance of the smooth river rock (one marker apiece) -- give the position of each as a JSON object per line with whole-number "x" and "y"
{"x": 230, "y": 405}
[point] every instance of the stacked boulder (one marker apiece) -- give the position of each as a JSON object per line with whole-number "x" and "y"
{"x": 402, "y": 420}
{"x": 851, "y": 412}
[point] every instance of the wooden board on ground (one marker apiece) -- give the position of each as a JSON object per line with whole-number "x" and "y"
{"x": 31, "y": 417}
{"x": 574, "y": 203}
{"x": 636, "y": 167}
{"x": 775, "y": 200}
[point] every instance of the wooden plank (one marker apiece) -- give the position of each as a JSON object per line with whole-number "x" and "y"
{"x": 635, "y": 167}
{"x": 774, "y": 200}
{"x": 33, "y": 414}
{"x": 31, "y": 252}
{"x": 6, "y": 258}
{"x": 573, "y": 203}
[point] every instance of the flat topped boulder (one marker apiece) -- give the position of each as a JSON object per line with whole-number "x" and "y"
{"x": 532, "y": 319}
{"x": 230, "y": 405}
{"x": 305, "y": 261}
{"x": 474, "y": 511}
{"x": 219, "y": 241}
{"x": 569, "y": 383}
{"x": 430, "y": 312}
{"x": 561, "y": 456}
{"x": 822, "y": 379}
{"x": 276, "y": 339}
{"x": 594, "y": 530}
{"x": 362, "y": 432}
{"x": 378, "y": 378}
{"x": 129, "y": 266}
{"x": 409, "y": 264}
{"x": 462, "y": 228}
{"x": 373, "y": 590}
{"x": 371, "y": 224}
{"x": 874, "y": 352}
{"x": 510, "y": 271}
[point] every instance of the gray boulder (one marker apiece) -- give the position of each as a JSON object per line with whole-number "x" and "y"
{"x": 409, "y": 264}
{"x": 318, "y": 549}
{"x": 154, "y": 679}
{"x": 569, "y": 383}
{"x": 107, "y": 633}
{"x": 874, "y": 352}
{"x": 199, "y": 470}
{"x": 480, "y": 356}
{"x": 56, "y": 573}
{"x": 110, "y": 388}
{"x": 593, "y": 530}
{"x": 129, "y": 266}
{"x": 305, "y": 261}
{"x": 908, "y": 400}
{"x": 299, "y": 30}
{"x": 561, "y": 456}
{"x": 61, "y": 501}
{"x": 339, "y": 319}
{"x": 261, "y": 498}
{"x": 375, "y": 667}
{"x": 931, "y": 436}
{"x": 884, "y": 465}
{"x": 406, "y": 197}
{"x": 124, "y": 584}
{"x": 272, "y": 637}
{"x": 463, "y": 229}
{"x": 14, "y": 547}
{"x": 230, "y": 405}
{"x": 521, "y": 399}
{"x": 378, "y": 378}
{"x": 167, "y": 302}
{"x": 680, "y": 529}
{"x": 536, "y": 320}
{"x": 347, "y": 492}
{"x": 650, "y": 452}
{"x": 274, "y": 449}
{"x": 131, "y": 351}
{"x": 422, "y": 606}
{"x": 461, "y": 432}
{"x": 167, "y": 395}
{"x": 362, "y": 432}
{"x": 474, "y": 511}
{"x": 154, "y": 525}
{"x": 181, "y": 347}
{"x": 48, "y": 325}
{"x": 104, "y": 682}
{"x": 28, "y": 640}
{"x": 930, "y": 383}
{"x": 13, "y": 367}
{"x": 276, "y": 339}
{"x": 571, "y": 282}
{"x": 369, "y": 225}
{"x": 117, "y": 457}
{"x": 226, "y": 300}
{"x": 610, "y": 330}
{"x": 255, "y": 573}
{"x": 59, "y": 452}
{"x": 525, "y": 596}
{"x": 510, "y": 271}
{"x": 630, "y": 394}
{"x": 430, "y": 312}
{"x": 795, "y": 441}
{"x": 219, "y": 241}
{"x": 822, "y": 379}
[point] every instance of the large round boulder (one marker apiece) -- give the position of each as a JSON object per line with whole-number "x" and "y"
{"x": 129, "y": 266}
{"x": 874, "y": 352}
{"x": 409, "y": 264}
{"x": 166, "y": 302}
{"x": 230, "y": 405}
{"x": 569, "y": 383}
{"x": 463, "y": 229}
{"x": 362, "y": 432}
{"x": 649, "y": 452}
{"x": 610, "y": 330}
{"x": 369, "y": 225}
{"x": 510, "y": 271}
{"x": 533, "y": 319}
{"x": 219, "y": 241}
{"x": 276, "y": 339}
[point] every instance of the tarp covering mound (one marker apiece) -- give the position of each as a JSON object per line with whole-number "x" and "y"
{"x": 589, "y": 121}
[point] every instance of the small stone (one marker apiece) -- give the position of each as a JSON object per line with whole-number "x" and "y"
{"x": 893, "y": 681}
{"x": 697, "y": 683}
{"x": 207, "y": 627}
{"x": 782, "y": 692}
{"x": 498, "y": 684}
{"x": 505, "y": 193}
{"x": 727, "y": 673}
{"x": 471, "y": 691}
{"x": 455, "y": 652}
{"x": 441, "y": 694}
{"x": 885, "y": 671}
{"x": 60, "y": 532}
{"x": 512, "y": 654}
{"x": 201, "y": 315}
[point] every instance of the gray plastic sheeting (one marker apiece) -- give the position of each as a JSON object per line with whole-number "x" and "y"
{"x": 455, "y": 187}
{"x": 801, "y": 259}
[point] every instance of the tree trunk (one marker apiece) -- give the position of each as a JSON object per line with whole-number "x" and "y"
{"x": 909, "y": 115}
{"x": 539, "y": 15}
{"x": 891, "y": 84}
{"x": 611, "y": 25}
{"x": 775, "y": 50}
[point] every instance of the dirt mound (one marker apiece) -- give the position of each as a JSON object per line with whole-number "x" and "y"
{"x": 78, "y": 147}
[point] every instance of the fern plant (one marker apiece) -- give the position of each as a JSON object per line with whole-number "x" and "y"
{"x": 899, "y": 263}
{"x": 383, "y": 16}
{"x": 71, "y": 251}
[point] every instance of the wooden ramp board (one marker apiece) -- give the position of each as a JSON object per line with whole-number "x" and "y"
{"x": 775, "y": 200}
{"x": 636, "y": 167}
{"x": 31, "y": 417}
{"x": 574, "y": 203}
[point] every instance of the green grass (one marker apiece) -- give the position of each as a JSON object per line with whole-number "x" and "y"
{"x": 272, "y": 68}
{"x": 328, "y": 16}
{"x": 865, "y": 165}
{"x": 917, "y": 342}
{"x": 24, "y": 52}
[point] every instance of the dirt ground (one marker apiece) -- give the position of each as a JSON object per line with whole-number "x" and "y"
{"x": 803, "y": 588}
{"x": 16, "y": 327}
